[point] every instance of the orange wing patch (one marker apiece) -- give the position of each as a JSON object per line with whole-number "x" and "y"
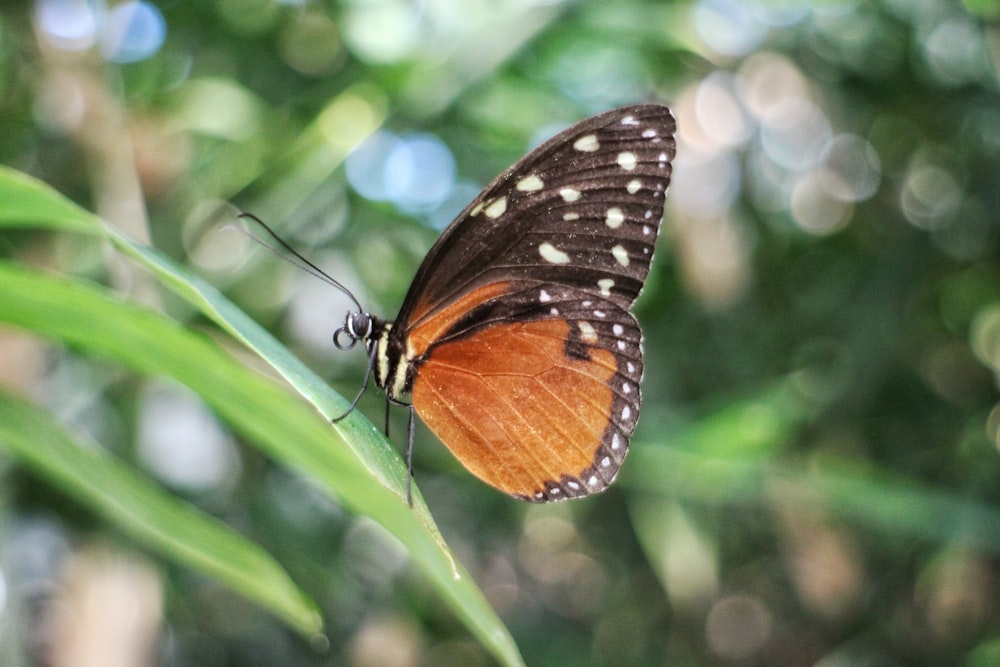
{"x": 426, "y": 331}
{"x": 519, "y": 413}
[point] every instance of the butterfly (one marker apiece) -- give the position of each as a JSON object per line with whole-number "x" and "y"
{"x": 515, "y": 342}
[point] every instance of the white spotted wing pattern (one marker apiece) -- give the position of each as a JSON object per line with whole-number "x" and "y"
{"x": 515, "y": 337}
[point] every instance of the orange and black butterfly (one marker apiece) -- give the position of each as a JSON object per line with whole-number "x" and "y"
{"x": 515, "y": 342}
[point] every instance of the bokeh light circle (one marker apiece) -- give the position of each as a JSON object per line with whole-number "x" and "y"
{"x": 133, "y": 31}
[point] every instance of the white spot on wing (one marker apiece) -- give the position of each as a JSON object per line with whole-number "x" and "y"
{"x": 600, "y": 313}
{"x": 619, "y": 330}
{"x": 629, "y": 120}
{"x": 552, "y": 254}
{"x": 530, "y": 183}
{"x": 633, "y": 186}
{"x": 620, "y": 255}
{"x": 544, "y": 296}
{"x": 573, "y": 485}
{"x": 571, "y": 216}
{"x": 627, "y": 160}
{"x": 616, "y": 442}
{"x": 626, "y": 412}
{"x": 605, "y": 462}
{"x": 569, "y": 195}
{"x": 496, "y": 208}
{"x": 587, "y": 143}
{"x": 648, "y": 134}
{"x": 605, "y": 285}
{"x": 587, "y": 332}
{"x": 615, "y": 218}
{"x": 626, "y": 389}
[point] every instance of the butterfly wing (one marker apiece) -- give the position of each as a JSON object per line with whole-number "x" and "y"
{"x": 516, "y": 337}
{"x": 582, "y": 207}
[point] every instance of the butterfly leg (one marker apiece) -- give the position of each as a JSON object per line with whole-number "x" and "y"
{"x": 409, "y": 458}
{"x": 409, "y": 442}
{"x": 361, "y": 392}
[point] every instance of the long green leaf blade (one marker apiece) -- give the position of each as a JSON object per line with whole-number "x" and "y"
{"x": 126, "y": 499}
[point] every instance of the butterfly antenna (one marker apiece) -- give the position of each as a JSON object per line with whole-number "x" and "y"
{"x": 292, "y": 256}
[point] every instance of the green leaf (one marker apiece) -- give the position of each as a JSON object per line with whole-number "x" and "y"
{"x": 123, "y": 497}
{"x": 350, "y": 459}
{"x": 28, "y": 202}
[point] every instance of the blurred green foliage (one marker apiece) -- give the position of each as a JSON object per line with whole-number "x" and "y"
{"x": 816, "y": 476}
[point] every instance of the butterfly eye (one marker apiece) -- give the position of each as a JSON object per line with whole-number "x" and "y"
{"x": 357, "y": 326}
{"x": 360, "y": 325}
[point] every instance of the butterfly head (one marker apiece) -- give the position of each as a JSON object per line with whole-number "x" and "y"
{"x": 357, "y": 326}
{"x": 391, "y": 372}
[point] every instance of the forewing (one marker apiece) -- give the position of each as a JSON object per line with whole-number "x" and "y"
{"x": 582, "y": 210}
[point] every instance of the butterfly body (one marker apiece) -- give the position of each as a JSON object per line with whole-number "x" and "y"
{"x": 515, "y": 342}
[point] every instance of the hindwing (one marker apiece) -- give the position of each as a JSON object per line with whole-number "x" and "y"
{"x": 540, "y": 407}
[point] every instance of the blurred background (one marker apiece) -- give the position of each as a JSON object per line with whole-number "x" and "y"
{"x": 816, "y": 477}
